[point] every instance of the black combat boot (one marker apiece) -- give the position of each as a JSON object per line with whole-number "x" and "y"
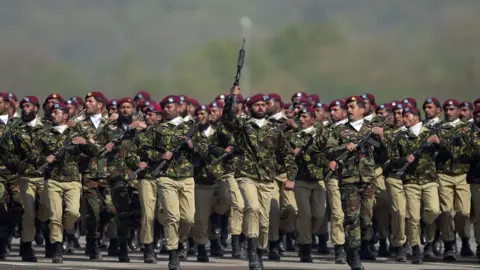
{"x": 224, "y": 230}
{"x": 38, "y": 232}
{"x": 322, "y": 246}
{"x": 57, "y": 252}
{"x": 281, "y": 245}
{"x": 123, "y": 252}
{"x": 48, "y": 246}
{"x": 149, "y": 254}
{"x": 158, "y": 236}
{"x": 340, "y": 256}
{"x": 113, "y": 247}
{"x": 417, "y": 255}
{"x": 365, "y": 252}
{"x": 133, "y": 241}
{"x": 202, "y": 255}
{"x": 253, "y": 262}
{"x": 192, "y": 248}
{"x": 383, "y": 250}
{"x": 428, "y": 253}
{"x": 401, "y": 254}
{"x": 216, "y": 249}
{"x": 449, "y": 252}
{"x": 437, "y": 243}
{"x": 216, "y": 222}
{"x": 237, "y": 251}
{"x": 70, "y": 240}
{"x": 93, "y": 250}
{"x": 173, "y": 260}
{"x": 306, "y": 253}
{"x": 260, "y": 253}
{"x": 182, "y": 251}
{"x": 353, "y": 259}
{"x": 290, "y": 242}
{"x": 466, "y": 250}
{"x": 273, "y": 252}
{"x": 28, "y": 254}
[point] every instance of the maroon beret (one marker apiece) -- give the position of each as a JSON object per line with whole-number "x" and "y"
{"x": 153, "y": 107}
{"x": 221, "y": 96}
{"x": 71, "y": 102}
{"x": 287, "y": 106}
{"x": 308, "y": 110}
{"x": 216, "y": 104}
{"x": 410, "y": 100}
{"x": 202, "y": 108}
{"x": 4, "y": 96}
{"x": 354, "y": 99}
{"x": 477, "y": 110}
{"x": 124, "y": 100}
{"x": 433, "y": 100}
{"x": 337, "y": 102}
{"x": 12, "y": 96}
{"x": 192, "y": 101}
{"x": 299, "y": 95}
{"x": 60, "y": 106}
{"x": 99, "y": 96}
{"x": 256, "y": 98}
{"x": 476, "y": 101}
{"x": 320, "y": 105}
{"x": 314, "y": 97}
{"x": 78, "y": 99}
{"x": 113, "y": 102}
{"x": 385, "y": 106}
{"x": 274, "y": 96}
{"x": 170, "y": 99}
{"x": 412, "y": 110}
{"x": 451, "y": 102}
{"x": 183, "y": 98}
{"x": 398, "y": 106}
{"x": 142, "y": 95}
{"x": 30, "y": 99}
{"x": 302, "y": 100}
{"x": 369, "y": 97}
{"x": 467, "y": 104}
{"x": 53, "y": 96}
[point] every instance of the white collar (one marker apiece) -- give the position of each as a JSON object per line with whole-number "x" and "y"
{"x": 369, "y": 117}
{"x": 33, "y": 123}
{"x": 432, "y": 121}
{"x": 16, "y": 114}
{"x": 208, "y": 131}
{"x": 357, "y": 125}
{"x": 341, "y": 122}
{"x": 61, "y": 128}
{"x": 470, "y": 120}
{"x": 326, "y": 122}
{"x": 4, "y": 119}
{"x": 187, "y": 118}
{"x": 260, "y": 122}
{"x": 277, "y": 116}
{"x": 308, "y": 130}
{"x": 415, "y": 129}
{"x": 455, "y": 122}
{"x": 176, "y": 121}
{"x": 96, "y": 119}
{"x": 402, "y": 128}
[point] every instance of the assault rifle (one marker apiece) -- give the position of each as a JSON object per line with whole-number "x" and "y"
{"x": 59, "y": 153}
{"x": 367, "y": 138}
{"x": 241, "y": 59}
{"x": 104, "y": 152}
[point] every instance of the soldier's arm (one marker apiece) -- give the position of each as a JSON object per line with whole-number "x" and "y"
{"x": 333, "y": 146}
{"x": 288, "y": 156}
{"x": 150, "y": 150}
{"x": 317, "y": 152}
{"x": 398, "y": 157}
{"x": 229, "y": 119}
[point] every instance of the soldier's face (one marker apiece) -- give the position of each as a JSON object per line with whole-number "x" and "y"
{"x": 215, "y": 114}
{"x": 320, "y": 114}
{"x": 72, "y": 109}
{"x": 307, "y": 120}
{"x": 298, "y": 107}
{"x": 398, "y": 117}
{"x": 59, "y": 117}
{"x": 368, "y": 107}
{"x": 93, "y": 106}
{"x": 431, "y": 110}
{"x": 4, "y": 106}
{"x": 172, "y": 111}
{"x": 383, "y": 112}
{"x": 203, "y": 117}
{"x": 465, "y": 114}
{"x": 410, "y": 120}
{"x": 354, "y": 111}
{"x": 290, "y": 114}
{"x": 337, "y": 113}
{"x": 451, "y": 113}
{"x": 152, "y": 118}
{"x": 272, "y": 107}
{"x": 52, "y": 102}
{"x": 239, "y": 108}
{"x": 126, "y": 109}
{"x": 477, "y": 119}
{"x": 29, "y": 108}
{"x": 258, "y": 109}
{"x": 112, "y": 110}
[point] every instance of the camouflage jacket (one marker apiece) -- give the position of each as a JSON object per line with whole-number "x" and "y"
{"x": 65, "y": 168}
{"x": 282, "y": 125}
{"x": 473, "y": 175}
{"x": 359, "y": 166}
{"x": 25, "y": 148}
{"x": 311, "y": 161}
{"x": 144, "y": 143}
{"x": 454, "y": 151}
{"x": 422, "y": 170}
{"x": 223, "y": 139}
{"x": 258, "y": 146}
{"x": 163, "y": 138}
{"x": 92, "y": 167}
{"x": 389, "y": 136}
{"x": 7, "y": 168}
{"x": 206, "y": 173}
{"x": 123, "y": 158}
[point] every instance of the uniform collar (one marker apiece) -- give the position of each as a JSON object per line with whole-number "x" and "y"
{"x": 176, "y": 121}
{"x": 357, "y": 125}
{"x": 4, "y": 118}
{"x": 416, "y": 129}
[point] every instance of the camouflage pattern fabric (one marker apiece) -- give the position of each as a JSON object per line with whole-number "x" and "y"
{"x": 454, "y": 153}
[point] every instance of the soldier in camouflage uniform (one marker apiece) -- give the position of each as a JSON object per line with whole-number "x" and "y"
{"x": 466, "y": 111}
{"x": 211, "y": 191}
{"x": 62, "y": 175}
{"x": 356, "y": 178}
{"x": 112, "y": 109}
{"x": 452, "y": 166}
{"x": 307, "y": 145}
{"x": 283, "y": 207}
{"x": 100, "y": 210}
{"x": 175, "y": 186}
{"x": 419, "y": 177}
{"x": 116, "y": 143}
{"x": 258, "y": 141}
{"x": 432, "y": 110}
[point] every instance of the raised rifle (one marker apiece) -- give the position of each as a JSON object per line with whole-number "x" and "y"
{"x": 241, "y": 59}
{"x": 156, "y": 172}
{"x": 367, "y": 138}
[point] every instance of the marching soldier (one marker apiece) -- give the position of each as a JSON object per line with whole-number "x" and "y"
{"x": 473, "y": 176}
{"x": 432, "y": 109}
{"x": 466, "y": 111}
{"x": 259, "y": 141}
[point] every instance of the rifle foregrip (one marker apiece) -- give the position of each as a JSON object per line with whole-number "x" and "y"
{"x": 329, "y": 175}
{"x": 42, "y": 168}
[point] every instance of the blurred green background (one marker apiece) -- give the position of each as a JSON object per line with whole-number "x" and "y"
{"x": 391, "y": 48}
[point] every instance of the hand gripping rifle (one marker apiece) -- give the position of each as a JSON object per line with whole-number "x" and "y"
{"x": 367, "y": 138}
{"x": 104, "y": 152}
{"x": 156, "y": 172}
{"x": 57, "y": 154}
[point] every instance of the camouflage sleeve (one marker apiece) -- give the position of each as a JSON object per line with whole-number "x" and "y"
{"x": 318, "y": 147}
{"x": 37, "y": 157}
{"x": 398, "y": 157}
{"x": 150, "y": 150}
{"x": 333, "y": 146}
{"x": 289, "y": 158}
{"x": 229, "y": 119}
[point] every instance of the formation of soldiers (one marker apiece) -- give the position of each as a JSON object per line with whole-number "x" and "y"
{"x": 177, "y": 176}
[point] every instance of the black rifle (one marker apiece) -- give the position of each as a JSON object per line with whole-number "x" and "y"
{"x": 367, "y": 138}
{"x": 59, "y": 153}
{"x": 222, "y": 157}
{"x": 104, "y": 152}
{"x": 156, "y": 172}
{"x": 241, "y": 58}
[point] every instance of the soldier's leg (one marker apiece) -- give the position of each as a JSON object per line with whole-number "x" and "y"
{"x": 55, "y": 197}
{"x": 319, "y": 210}
{"x": 337, "y": 234}
{"x": 475, "y": 191}
{"x": 147, "y": 192}
{"x": 135, "y": 216}
{"x": 398, "y": 211}
{"x": 413, "y": 196}
{"x": 351, "y": 205}
{"x": 462, "y": 207}
{"x": 236, "y": 216}
{"x": 303, "y": 197}
{"x": 273, "y": 231}
{"x": 382, "y": 215}
{"x": 15, "y": 210}
{"x": 187, "y": 208}
{"x": 72, "y": 191}
{"x": 447, "y": 198}
{"x": 4, "y": 222}
{"x": 204, "y": 200}
{"x": 92, "y": 219}
{"x": 121, "y": 200}
{"x": 367, "y": 193}
{"x": 28, "y": 191}
{"x": 221, "y": 206}
{"x": 288, "y": 214}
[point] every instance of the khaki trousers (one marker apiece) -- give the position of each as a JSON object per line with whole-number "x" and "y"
{"x": 237, "y": 205}
{"x": 58, "y": 193}
{"x": 283, "y": 210}
{"x": 29, "y": 189}
{"x": 381, "y": 209}
{"x": 398, "y": 210}
{"x": 311, "y": 201}
{"x": 177, "y": 198}
{"x": 208, "y": 199}
{"x": 416, "y": 196}
{"x": 455, "y": 200}
{"x": 475, "y": 190}
{"x": 147, "y": 194}
{"x": 257, "y": 196}
{"x": 337, "y": 233}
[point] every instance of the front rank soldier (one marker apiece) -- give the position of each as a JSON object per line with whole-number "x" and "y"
{"x": 96, "y": 192}
{"x": 356, "y": 177}
{"x": 117, "y": 139}
{"x": 60, "y": 146}
{"x": 258, "y": 142}
{"x": 410, "y": 148}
